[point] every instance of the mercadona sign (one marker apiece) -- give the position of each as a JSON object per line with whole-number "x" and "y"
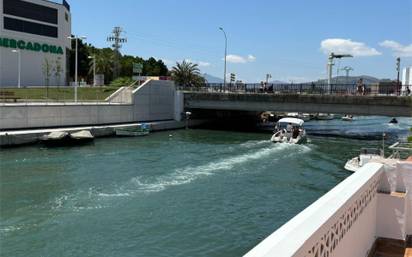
{"x": 30, "y": 46}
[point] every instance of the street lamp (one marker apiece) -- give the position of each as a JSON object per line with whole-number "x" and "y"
{"x": 224, "y": 77}
{"x": 94, "y": 68}
{"x": 76, "y": 64}
{"x": 19, "y": 66}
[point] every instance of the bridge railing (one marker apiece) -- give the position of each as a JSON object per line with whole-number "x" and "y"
{"x": 304, "y": 88}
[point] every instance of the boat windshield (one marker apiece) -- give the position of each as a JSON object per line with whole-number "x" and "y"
{"x": 283, "y": 125}
{"x": 370, "y": 151}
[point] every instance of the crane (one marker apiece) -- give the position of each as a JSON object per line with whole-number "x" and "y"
{"x": 331, "y": 57}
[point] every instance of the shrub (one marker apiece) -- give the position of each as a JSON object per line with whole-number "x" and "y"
{"x": 122, "y": 82}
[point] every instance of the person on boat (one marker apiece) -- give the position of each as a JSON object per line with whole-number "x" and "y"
{"x": 296, "y": 132}
{"x": 289, "y": 127}
{"x": 393, "y": 121}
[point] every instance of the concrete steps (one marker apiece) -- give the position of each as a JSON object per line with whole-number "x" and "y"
{"x": 385, "y": 247}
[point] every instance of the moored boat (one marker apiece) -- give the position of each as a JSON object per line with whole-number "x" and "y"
{"x": 64, "y": 138}
{"x": 325, "y": 116}
{"x": 347, "y": 118}
{"x": 133, "y": 131}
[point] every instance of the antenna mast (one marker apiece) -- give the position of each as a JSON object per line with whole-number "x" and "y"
{"x": 117, "y": 41}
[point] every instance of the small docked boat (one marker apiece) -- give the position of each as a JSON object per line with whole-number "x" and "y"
{"x": 133, "y": 131}
{"x": 64, "y": 138}
{"x": 347, "y": 118}
{"x": 304, "y": 116}
{"x": 325, "y": 116}
{"x": 298, "y": 115}
{"x": 289, "y": 130}
{"x": 368, "y": 155}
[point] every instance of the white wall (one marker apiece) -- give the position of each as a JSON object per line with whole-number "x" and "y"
{"x": 341, "y": 223}
{"x": 153, "y": 101}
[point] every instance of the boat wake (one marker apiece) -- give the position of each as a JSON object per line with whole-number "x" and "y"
{"x": 94, "y": 198}
{"x": 188, "y": 174}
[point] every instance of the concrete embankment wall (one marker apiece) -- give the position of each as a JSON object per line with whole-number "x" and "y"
{"x": 154, "y": 100}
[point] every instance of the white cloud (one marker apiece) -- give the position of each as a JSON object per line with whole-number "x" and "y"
{"x": 204, "y": 64}
{"x": 251, "y": 58}
{"x": 397, "y": 48}
{"x": 233, "y": 58}
{"x": 347, "y": 46}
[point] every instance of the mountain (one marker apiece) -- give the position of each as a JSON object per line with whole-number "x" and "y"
{"x": 278, "y": 82}
{"x": 212, "y": 79}
{"x": 351, "y": 80}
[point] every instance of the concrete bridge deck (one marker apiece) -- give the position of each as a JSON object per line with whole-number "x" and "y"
{"x": 339, "y": 104}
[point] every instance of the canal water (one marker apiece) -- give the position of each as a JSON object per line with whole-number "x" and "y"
{"x": 175, "y": 193}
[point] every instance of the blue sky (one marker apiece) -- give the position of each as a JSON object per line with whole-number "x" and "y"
{"x": 288, "y": 39}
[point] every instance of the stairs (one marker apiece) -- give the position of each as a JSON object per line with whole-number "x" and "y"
{"x": 385, "y": 247}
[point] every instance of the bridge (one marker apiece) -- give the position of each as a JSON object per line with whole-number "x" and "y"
{"x": 307, "y": 98}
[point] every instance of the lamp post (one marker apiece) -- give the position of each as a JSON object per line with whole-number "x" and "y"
{"x": 76, "y": 65}
{"x": 224, "y": 77}
{"x": 94, "y": 68}
{"x": 19, "y": 66}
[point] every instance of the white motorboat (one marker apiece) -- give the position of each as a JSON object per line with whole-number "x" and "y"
{"x": 368, "y": 155}
{"x": 292, "y": 114}
{"x": 347, "y": 118}
{"x": 289, "y": 130}
{"x": 325, "y": 116}
{"x": 64, "y": 138}
{"x": 298, "y": 115}
{"x": 304, "y": 116}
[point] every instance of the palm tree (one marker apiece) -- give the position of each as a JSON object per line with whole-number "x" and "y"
{"x": 104, "y": 63}
{"x": 187, "y": 74}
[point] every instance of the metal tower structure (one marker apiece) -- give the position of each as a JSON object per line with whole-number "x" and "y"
{"x": 331, "y": 57}
{"x": 117, "y": 42}
{"x": 347, "y": 69}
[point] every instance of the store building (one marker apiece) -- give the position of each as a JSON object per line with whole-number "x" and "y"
{"x": 34, "y": 39}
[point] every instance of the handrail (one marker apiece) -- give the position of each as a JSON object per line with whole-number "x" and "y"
{"x": 303, "y": 88}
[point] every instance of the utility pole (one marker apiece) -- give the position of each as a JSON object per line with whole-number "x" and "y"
{"x": 19, "y": 66}
{"x": 93, "y": 57}
{"x": 224, "y": 76}
{"x": 398, "y": 69}
{"x": 117, "y": 44}
{"x": 76, "y": 82}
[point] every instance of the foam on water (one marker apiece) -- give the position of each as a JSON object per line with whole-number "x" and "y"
{"x": 190, "y": 173}
{"x": 93, "y": 198}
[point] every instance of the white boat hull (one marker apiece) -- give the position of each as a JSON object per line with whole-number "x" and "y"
{"x": 280, "y": 137}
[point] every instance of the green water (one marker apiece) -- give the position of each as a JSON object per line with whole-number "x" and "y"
{"x": 176, "y": 193}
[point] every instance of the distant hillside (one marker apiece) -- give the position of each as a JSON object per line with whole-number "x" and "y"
{"x": 278, "y": 82}
{"x": 351, "y": 80}
{"x": 212, "y": 79}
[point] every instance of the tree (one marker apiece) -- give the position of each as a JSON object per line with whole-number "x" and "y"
{"x": 104, "y": 63}
{"x": 82, "y": 55}
{"x": 151, "y": 67}
{"x": 58, "y": 70}
{"x": 187, "y": 74}
{"x": 47, "y": 72}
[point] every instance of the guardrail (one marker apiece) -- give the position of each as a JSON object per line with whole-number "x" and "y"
{"x": 304, "y": 88}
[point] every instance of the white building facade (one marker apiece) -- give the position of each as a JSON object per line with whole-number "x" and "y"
{"x": 36, "y": 32}
{"x": 406, "y": 78}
